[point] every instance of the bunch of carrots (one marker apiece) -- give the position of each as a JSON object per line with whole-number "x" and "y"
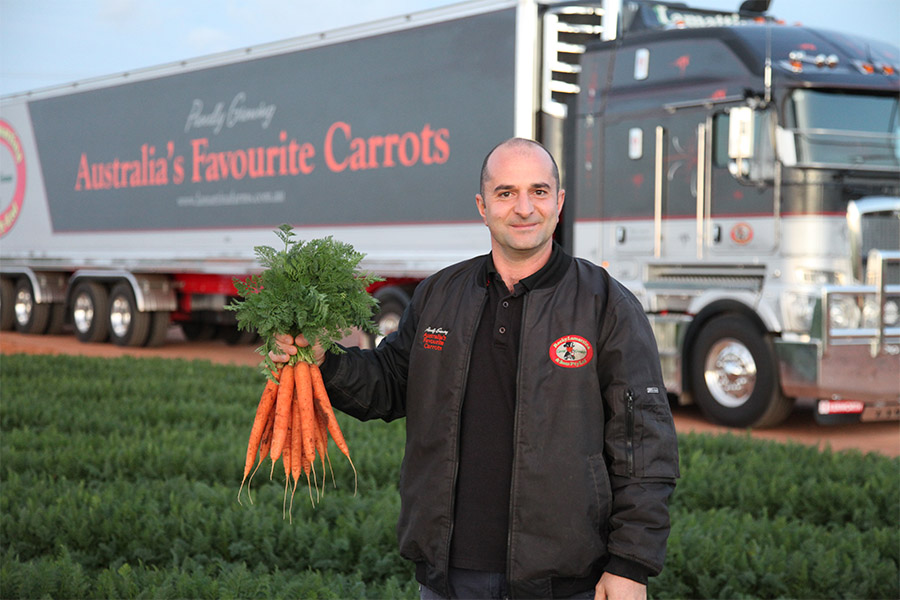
{"x": 314, "y": 288}
{"x": 293, "y": 421}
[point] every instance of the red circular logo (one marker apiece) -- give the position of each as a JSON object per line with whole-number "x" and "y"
{"x": 12, "y": 177}
{"x": 571, "y": 351}
{"x": 742, "y": 233}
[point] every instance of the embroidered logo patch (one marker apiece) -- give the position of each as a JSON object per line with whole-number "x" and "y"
{"x": 434, "y": 338}
{"x": 571, "y": 351}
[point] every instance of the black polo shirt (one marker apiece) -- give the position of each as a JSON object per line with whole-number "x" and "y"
{"x": 481, "y": 519}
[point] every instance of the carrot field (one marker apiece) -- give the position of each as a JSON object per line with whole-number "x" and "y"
{"x": 119, "y": 479}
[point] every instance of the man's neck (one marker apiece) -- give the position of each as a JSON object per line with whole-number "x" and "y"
{"x": 514, "y": 267}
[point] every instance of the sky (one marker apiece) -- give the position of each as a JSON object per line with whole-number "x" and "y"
{"x": 51, "y": 42}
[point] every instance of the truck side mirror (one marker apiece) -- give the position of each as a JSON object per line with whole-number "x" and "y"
{"x": 741, "y": 128}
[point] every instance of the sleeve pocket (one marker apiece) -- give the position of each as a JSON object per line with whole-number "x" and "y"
{"x": 641, "y": 440}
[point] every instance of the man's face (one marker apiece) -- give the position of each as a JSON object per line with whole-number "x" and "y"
{"x": 519, "y": 202}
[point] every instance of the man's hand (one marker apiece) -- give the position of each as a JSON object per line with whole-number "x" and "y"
{"x": 288, "y": 346}
{"x": 614, "y": 587}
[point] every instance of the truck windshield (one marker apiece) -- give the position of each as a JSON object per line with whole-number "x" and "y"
{"x": 838, "y": 129}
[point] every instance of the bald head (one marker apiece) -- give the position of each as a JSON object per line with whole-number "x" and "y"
{"x": 521, "y": 144}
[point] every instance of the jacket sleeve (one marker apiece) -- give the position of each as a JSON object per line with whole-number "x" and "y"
{"x": 371, "y": 384}
{"x": 640, "y": 442}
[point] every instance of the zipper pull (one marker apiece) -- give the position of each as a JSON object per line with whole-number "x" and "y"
{"x": 629, "y": 432}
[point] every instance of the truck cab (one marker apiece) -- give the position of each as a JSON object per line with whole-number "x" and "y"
{"x": 742, "y": 178}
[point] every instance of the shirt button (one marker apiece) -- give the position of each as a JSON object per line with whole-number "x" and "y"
{"x": 502, "y": 330}
{"x": 505, "y": 304}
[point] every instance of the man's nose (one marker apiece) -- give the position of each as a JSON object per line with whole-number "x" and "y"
{"x": 524, "y": 206}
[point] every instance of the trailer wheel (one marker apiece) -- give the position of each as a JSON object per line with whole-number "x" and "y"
{"x": 199, "y": 331}
{"x": 30, "y": 317}
{"x": 231, "y": 335}
{"x": 128, "y": 326}
{"x": 57, "y": 321}
{"x": 159, "y": 328}
{"x": 7, "y": 304}
{"x": 391, "y": 304}
{"x": 90, "y": 302}
{"x": 734, "y": 374}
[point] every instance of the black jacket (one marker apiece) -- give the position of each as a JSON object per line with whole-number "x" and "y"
{"x": 595, "y": 456}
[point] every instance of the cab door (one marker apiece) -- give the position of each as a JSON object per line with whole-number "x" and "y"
{"x": 741, "y": 210}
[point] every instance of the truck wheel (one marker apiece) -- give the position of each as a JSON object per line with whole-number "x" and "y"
{"x": 57, "y": 321}
{"x": 734, "y": 374}
{"x": 199, "y": 331}
{"x": 7, "y": 305}
{"x": 159, "y": 328}
{"x": 30, "y": 317}
{"x": 231, "y": 335}
{"x": 90, "y": 302}
{"x": 127, "y": 325}
{"x": 391, "y": 304}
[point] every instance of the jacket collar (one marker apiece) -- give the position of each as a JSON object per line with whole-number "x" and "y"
{"x": 547, "y": 276}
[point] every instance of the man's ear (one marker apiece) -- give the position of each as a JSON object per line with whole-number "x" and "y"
{"x": 479, "y": 202}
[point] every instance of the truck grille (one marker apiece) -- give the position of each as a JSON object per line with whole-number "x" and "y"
{"x": 881, "y": 231}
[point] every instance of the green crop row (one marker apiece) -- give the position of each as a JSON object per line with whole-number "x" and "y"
{"x": 119, "y": 479}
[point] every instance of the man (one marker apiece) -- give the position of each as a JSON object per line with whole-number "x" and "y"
{"x": 540, "y": 450}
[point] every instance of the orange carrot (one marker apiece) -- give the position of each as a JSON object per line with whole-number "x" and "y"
{"x": 264, "y": 444}
{"x": 322, "y": 445}
{"x": 303, "y": 387}
{"x": 263, "y": 409}
{"x": 286, "y": 462}
{"x": 296, "y": 440}
{"x": 282, "y": 411}
{"x": 334, "y": 429}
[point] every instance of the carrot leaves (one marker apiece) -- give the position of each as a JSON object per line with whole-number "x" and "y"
{"x": 313, "y": 288}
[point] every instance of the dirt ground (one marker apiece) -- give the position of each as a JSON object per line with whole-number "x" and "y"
{"x": 800, "y": 427}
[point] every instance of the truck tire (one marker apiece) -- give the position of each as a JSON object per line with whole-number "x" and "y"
{"x": 159, "y": 328}
{"x": 7, "y": 304}
{"x": 30, "y": 317}
{"x": 734, "y": 374}
{"x": 89, "y": 312}
{"x": 231, "y": 335}
{"x": 199, "y": 331}
{"x": 128, "y": 326}
{"x": 391, "y": 304}
{"x": 57, "y": 321}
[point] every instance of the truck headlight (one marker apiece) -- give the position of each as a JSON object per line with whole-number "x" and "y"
{"x": 798, "y": 311}
{"x": 844, "y": 313}
{"x": 891, "y": 313}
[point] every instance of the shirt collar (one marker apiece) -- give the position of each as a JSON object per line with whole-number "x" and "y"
{"x": 547, "y": 276}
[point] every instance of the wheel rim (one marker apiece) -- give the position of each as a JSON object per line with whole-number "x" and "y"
{"x": 387, "y": 324}
{"x": 83, "y": 313}
{"x": 730, "y": 372}
{"x": 24, "y": 305}
{"x": 120, "y": 316}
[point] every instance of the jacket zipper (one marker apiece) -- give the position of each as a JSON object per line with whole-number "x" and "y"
{"x": 629, "y": 431}
{"x": 509, "y": 523}
{"x": 458, "y": 433}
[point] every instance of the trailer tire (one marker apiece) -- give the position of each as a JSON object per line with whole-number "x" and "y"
{"x": 734, "y": 374}
{"x": 7, "y": 304}
{"x": 199, "y": 331}
{"x": 231, "y": 335}
{"x": 128, "y": 326}
{"x": 30, "y": 317}
{"x": 392, "y": 302}
{"x": 89, "y": 312}
{"x": 159, "y": 328}
{"x": 57, "y": 321}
